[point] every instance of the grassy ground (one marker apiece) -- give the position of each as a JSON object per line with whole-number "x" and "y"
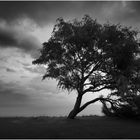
{"x": 60, "y": 127}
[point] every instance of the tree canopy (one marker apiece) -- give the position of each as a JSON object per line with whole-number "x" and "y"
{"x": 86, "y": 56}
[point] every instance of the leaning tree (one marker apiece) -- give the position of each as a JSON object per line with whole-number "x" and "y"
{"x": 86, "y": 56}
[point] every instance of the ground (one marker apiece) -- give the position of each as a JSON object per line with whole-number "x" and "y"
{"x": 60, "y": 127}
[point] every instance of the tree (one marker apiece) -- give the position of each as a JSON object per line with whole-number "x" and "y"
{"x": 86, "y": 56}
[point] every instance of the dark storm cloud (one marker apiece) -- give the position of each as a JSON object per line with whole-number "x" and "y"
{"x": 14, "y": 93}
{"x": 135, "y": 14}
{"x": 46, "y": 12}
{"x": 126, "y": 12}
{"x": 10, "y": 88}
{"x": 6, "y": 37}
{"x": 12, "y": 37}
{"x": 24, "y": 64}
{"x": 40, "y": 69}
{"x": 40, "y": 12}
{"x": 11, "y": 94}
{"x": 135, "y": 5}
{"x": 10, "y": 70}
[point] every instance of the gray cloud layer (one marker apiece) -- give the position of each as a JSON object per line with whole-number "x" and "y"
{"x": 11, "y": 94}
{"x": 10, "y": 70}
{"x": 47, "y": 11}
{"x": 12, "y": 37}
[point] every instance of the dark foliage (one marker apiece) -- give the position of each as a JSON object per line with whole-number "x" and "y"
{"x": 129, "y": 108}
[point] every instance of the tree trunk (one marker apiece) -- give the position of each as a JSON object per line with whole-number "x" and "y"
{"x": 76, "y": 108}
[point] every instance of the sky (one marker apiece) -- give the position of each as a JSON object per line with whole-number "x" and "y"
{"x": 24, "y": 26}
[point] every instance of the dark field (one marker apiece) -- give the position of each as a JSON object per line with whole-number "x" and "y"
{"x": 60, "y": 127}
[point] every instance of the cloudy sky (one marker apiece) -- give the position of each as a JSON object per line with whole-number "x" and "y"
{"x": 24, "y": 26}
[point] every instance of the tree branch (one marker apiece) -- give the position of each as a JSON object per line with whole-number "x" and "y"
{"x": 93, "y": 69}
{"x": 93, "y": 101}
{"x": 92, "y": 89}
{"x": 87, "y": 84}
